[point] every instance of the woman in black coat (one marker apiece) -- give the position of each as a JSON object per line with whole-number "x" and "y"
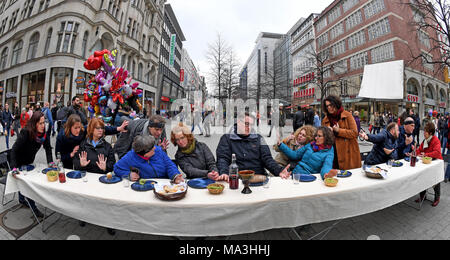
{"x": 194, "y": 158}
{"x": 70, "y": 137}
{"x": 24, "y": 150}
{"x": 95, "y": 154}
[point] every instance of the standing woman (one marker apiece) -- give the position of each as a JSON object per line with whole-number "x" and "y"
{"x": 346, "y": 153}
{"x": 24, "y": 150}
{"x": 7, "y": 120}
{"x": 95, "y": 154}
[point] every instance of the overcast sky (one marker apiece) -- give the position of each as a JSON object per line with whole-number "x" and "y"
{"x": 239, "y": 22}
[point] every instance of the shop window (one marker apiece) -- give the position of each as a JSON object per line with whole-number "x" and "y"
{"x": 61, "y": 85}
{"x": 32, "y": 90}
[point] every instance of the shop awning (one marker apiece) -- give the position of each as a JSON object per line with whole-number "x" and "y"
{"x": 383, "y": 81}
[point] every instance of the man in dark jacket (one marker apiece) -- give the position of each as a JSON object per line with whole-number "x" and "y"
{"x": 405, "y": 139}
{"x": 155, "y": 126}
{"x": 385, "y": 145}
{"x": 309, "y": 116}
{"x": 16, "y": 120}
{"x": 75, "y": 108}
{"x": 299, "y": 119}
{"x": 417, "y": 127}
{"x": 252, "y": 153}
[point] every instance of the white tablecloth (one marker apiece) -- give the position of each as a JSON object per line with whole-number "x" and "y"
{"x": 283, "y": 205}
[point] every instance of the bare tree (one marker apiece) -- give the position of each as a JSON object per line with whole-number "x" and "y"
{"x": 323, "y": 64}
{"x": 232, "y": 65}
{"x": 217, "y": 57}
{"x": 432, "y": 24}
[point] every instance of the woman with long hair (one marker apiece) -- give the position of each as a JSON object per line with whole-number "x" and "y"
{"x": 315, "y": 157}
{"x": 342, "y": 123}
{"x": 70, "y": 137}
{"x": 24, "y": 150}
{"x": 95, "y": 154}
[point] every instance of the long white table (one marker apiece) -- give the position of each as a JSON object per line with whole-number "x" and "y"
{"x": 283, "y": 205}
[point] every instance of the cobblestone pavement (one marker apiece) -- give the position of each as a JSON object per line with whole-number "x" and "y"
{"x": 398, "y": 222}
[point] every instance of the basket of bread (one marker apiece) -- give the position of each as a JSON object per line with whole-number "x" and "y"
{"x": 373, "y": 172}
{"x": 170, "y": 192}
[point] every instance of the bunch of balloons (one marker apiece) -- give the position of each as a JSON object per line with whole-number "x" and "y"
{"x": 110, "y": 87}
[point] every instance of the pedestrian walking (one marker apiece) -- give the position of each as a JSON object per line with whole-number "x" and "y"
{"x": 7, "y": 121}
{"x": 299, "y": 119}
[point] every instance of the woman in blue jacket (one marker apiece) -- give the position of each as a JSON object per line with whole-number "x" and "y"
{"x": 149, "y": 159}
{"x": 316, "y": 157}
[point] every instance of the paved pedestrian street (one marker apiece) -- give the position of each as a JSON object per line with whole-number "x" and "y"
{"x": 399, "y": 222}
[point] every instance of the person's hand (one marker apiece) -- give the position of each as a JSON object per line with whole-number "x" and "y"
{"x": 123, "y": 127}
{"x": 223, "y": 177}
{"x": 388, "y": 151}
{"x": 134, "y": 176}
{"x": 75, "y": 151}
{"x": 102, "y": 162}
{"x": 179, "y": 179}
{"x": 15, "y": 172}
{"x": 336, "y": 128}
{"x": 331, "y": 174}
{"x": 285, "y": 174}
{"x": 164, "y": 144}
{"x": 364, "y": 136}
{"x": 213, "y": 175}
{"x": 83, "y": 159}
{"x": 408, "y": 140}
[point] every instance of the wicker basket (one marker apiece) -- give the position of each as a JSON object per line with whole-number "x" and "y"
{"x": 217, "y": 190}
{"x": 331, "y": 182}
{"x": 51, "y": 176}
{"x": 427, "y": 160}
{"x": 171, "y": 196}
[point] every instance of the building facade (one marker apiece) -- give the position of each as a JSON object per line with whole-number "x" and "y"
{"x": 283, "y": 70}
{"x": 190, "y": 79}
{"x": 43, "y": 45}
{"x": 172, "y": 40}
{"x": 302, "y": 50}
{"x": 354, "y": 33}
{"x": 257, "y": 78}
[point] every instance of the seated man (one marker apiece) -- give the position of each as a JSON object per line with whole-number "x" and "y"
{"x": 149, "y": 159}
{"x": 252, "y": 153}
{"x": 384, "y": 147}
{"x": 155, "y": 126}
{"x": 405, "y": 139}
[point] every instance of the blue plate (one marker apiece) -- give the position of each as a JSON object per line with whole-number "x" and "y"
{"x": 27, "y": 168}
{"x": 256, "y": 184}
{"x": 75, "y": 175}
{"x": 307, "y": 178}
{"x": 344, "y": 174}
{"x": 397, "y": 164}
{"x": 44, "y": 171}
{"x": 200, "y": 183}
{"x": 149, "y": 185}
{"x": 113, "y": 180}
{"x": 407, "y": 159}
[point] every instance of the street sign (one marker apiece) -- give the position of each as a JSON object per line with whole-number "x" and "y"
{"x": 173, "y": 41}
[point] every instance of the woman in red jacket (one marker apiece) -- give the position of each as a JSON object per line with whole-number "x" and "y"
{"x": 431, "y": 147}
{"x": 24, "y": 117}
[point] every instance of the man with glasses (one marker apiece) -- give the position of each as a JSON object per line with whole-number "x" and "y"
{"x": 252, "y": 153}
{"x": 155, "y": 126}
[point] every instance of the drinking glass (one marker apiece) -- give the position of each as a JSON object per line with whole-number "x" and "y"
{"x": 126, "y": 181}
{"x": 84, "y": 176}
{"x": 390, "y": 163}
{"x": 266, "y": 184}
{"x": 296, "y": 178}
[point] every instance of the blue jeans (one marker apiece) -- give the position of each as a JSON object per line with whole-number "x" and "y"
{"x": 7, "y": 137}
{"x": 30, "y": 201}
{"x": 444, "y": 144}
{"x": 447, "y": 173}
